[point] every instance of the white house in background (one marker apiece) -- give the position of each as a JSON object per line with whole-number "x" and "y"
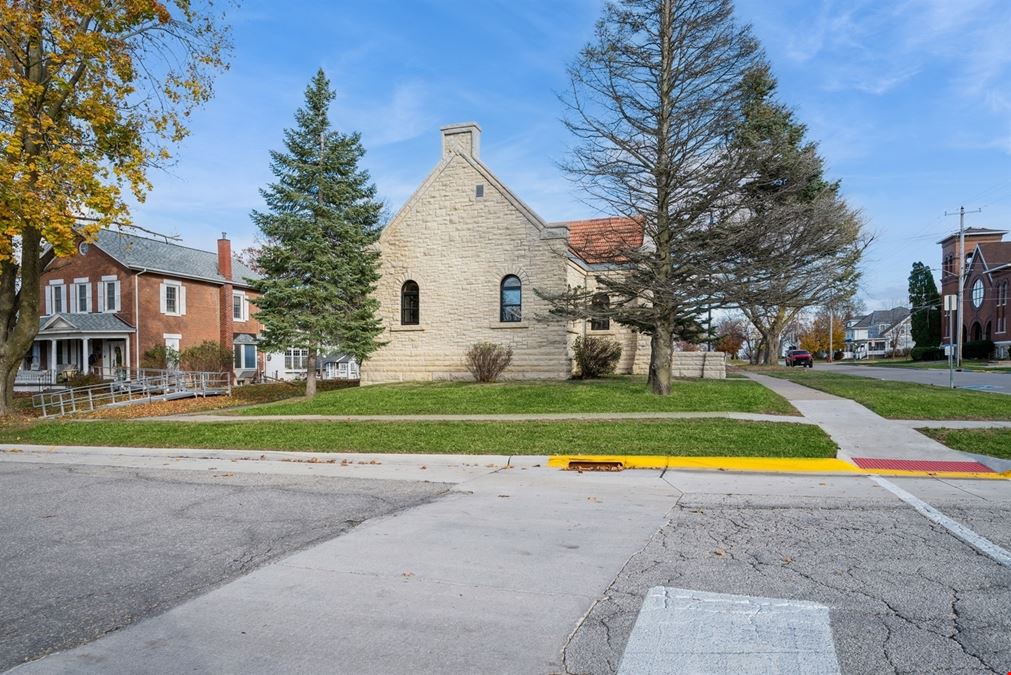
{"x": 292, "y": 363}
{"x": 880, "y": 333}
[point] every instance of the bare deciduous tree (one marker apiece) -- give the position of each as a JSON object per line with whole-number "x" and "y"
{"x": 654, "y": 102}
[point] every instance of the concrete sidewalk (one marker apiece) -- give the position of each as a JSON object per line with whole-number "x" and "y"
{"x": 858, "y": 431}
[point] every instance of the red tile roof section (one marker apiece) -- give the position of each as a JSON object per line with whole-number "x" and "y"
{"x": 603, "y": 240}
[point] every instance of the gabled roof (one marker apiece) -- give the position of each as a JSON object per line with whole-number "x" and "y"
{"x": 603, "y": 240}
{"x": 144, "y": 253}
{"x": 83, "y": 323}
{"x": 888, "y": 317}
{"x": 552, "y": 231}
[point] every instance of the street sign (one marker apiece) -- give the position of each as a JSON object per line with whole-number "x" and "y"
{"x": 947, "y": 350}
{"x": 950, "y": 303}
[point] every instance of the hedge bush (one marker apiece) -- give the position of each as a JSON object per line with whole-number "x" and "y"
{"x": 208, "y": 356}
{"x": 487, "y": 360}
{"x": 978, "y": 349}
{"x": 927, "y": 354}
{"x": 596, "y": 356}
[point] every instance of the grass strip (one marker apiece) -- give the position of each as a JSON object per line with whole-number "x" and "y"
{"x": 616, "y": 394}
{"x": 992, "y": 442}
{"x": 903, "y": 400}
{"x": 678, "y": 437}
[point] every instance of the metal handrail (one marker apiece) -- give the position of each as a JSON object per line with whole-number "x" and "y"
{"x": 146, "y": 385}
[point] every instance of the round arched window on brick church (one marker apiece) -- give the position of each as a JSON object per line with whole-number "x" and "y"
{"x": 977, "y": 293}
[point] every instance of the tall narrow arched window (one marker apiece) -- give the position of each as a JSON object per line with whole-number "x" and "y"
{"x": 600, "y": 304}
{"x": 410, "y": 304}
{"x": 511, "y": 299}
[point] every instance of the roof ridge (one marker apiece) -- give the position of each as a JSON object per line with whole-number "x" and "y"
{"x": 157, "y": 241}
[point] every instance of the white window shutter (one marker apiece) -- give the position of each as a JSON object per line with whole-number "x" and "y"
{"x": 182, "y": 299}
{"x": 101, "y": 296}
{"x": 117, "y": 308}
{"x": 63, "y": 292}
{"x": 49, "y": 300}
{"x": 88, "y": 294}
{"x": 161, "y": 294}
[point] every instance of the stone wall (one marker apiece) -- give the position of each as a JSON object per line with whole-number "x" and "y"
{"x": 458, "y": 246}
{"x": 708, "y": 365}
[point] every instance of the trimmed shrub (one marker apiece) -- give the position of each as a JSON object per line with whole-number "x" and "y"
{"x": 83, "y": 380}
{"x": 208, "y": 356}
{"x": 927, "y": 354}
{"x": 978, "y": 349}
{"x": 487, "y": 360}
{"x": 160, "y": 357}
{"x": 596, "y": 356}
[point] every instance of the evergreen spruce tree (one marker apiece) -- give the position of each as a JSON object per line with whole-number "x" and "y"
{"x": 318, "y": 261}
{"x": 925, "y": 302}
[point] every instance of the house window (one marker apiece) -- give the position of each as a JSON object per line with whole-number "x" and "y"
{"x": 977, "y": 293}
{"x": 600, "y": 303}
{"x": 173, "y": 298}
{"x": 511, "y": 300}
{"x": 82, "y": 298}
{"x": 244, "y": 357}
{"x": 479, "y": 191}
{"x": 240, "y": 308}
{"x": 296, "y": 358}
{"x": 109, "y": 295}
{"x": 410, "y": 304}
{"x": 55, "y": 295}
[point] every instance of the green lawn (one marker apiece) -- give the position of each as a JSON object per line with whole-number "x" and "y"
{"x": 993, "y": 442}
{"x": 903, "y": 400}
{"x": 615, "y": 394}
{"x": 699, "y": 437}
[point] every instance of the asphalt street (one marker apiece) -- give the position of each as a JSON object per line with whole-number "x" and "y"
{"x": 515, "y": 569}
{"x": 981, "y": 381}
{"x": 904, "y": 595}
{"x": 87, "y": 550}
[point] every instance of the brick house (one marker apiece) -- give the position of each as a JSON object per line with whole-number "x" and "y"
{"x": 123, "y": 294}
{"x": 987, "y": 280}
{"x": 460, "y": 264}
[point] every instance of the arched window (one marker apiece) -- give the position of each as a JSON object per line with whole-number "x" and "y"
{"x": 511, "y": 300}
{"x": 600, "y": 303}
{"x": 410, "y": 304}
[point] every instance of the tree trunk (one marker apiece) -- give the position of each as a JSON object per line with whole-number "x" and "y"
{"x": 310, "y": 374}
{"x": 661, "y": 346}
{"x": 19, "y": 312}
{"x": 8, "y": 372}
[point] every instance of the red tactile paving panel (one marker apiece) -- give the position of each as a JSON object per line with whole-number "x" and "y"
{"x": 920, "y": 465}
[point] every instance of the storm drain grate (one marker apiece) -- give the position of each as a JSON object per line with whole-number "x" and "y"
{"x": 588, "y": 465}
{"x": 920, "y": 465}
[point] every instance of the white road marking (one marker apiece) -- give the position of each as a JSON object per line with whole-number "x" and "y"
{"x": 977, "y": 541}
{"x": 684, "y": 631}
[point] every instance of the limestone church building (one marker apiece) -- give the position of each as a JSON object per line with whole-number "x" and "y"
{"x": 460, "y": 262}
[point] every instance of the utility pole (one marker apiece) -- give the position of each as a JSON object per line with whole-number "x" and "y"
{"x": 961, "y": 275}
{"x": 830, "y": 345}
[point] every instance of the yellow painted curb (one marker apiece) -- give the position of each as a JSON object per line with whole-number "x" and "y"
{"x": 754, "y": 464}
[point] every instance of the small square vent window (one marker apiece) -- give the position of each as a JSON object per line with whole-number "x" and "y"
{"x": 479, "y": 191}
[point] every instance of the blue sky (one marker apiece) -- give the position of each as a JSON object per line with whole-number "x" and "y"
{"x": 910, "y": 101}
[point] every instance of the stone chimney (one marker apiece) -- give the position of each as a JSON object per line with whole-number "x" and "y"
{"x": 463, "y": 138}
{"x": 225, "y": 256}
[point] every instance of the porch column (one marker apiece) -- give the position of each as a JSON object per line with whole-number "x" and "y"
{"x": 85, "y": 354}
{"x": 128, "y": 371}
{"x": 52, "y": 358}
